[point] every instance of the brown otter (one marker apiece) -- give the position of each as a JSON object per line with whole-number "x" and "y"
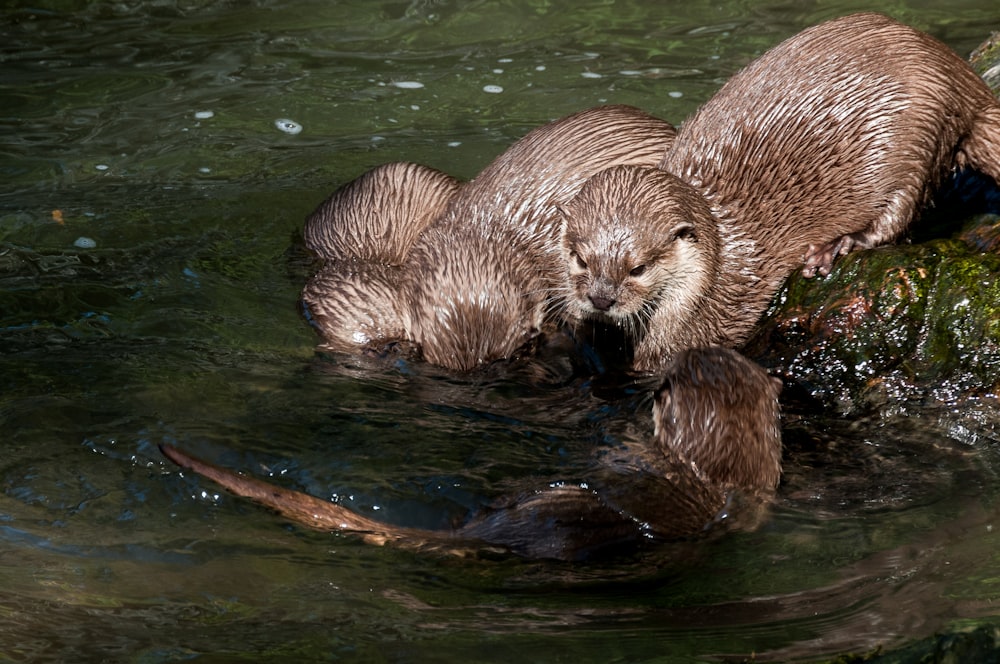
{"x": 377, "y": 217}
{"x": 476, "y": 284}
{"x": 716, "y": 435}
{"x": 364, "y": 231}
{"x": 829, "y": 142}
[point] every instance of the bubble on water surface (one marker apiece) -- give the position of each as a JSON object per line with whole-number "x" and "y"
{"x": 408, "y": 85}
{"x": 204, "y": 115}
{"x": 591, "y": 74}
{"x": 84, "y": 243}
{"x": 676, "y": 94}
{"x": 288, "y": 126}
{"x": 492, "y": 89}
{"x": 102, "y": 167}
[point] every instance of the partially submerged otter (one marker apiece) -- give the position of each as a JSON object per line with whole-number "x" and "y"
{"x": 829, "y": 142}
{"x": 475, "y": 285}
{"x": 717, "y": 434}
{"x": 364, "y": 232}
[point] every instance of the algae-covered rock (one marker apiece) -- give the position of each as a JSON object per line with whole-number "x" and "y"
{"x": 986, "y": 61}
{"x": 901, "y": 324}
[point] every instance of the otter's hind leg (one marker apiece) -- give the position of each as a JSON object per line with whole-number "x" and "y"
{"x": 896, "y": 213}
{"x": 980, "y": 149}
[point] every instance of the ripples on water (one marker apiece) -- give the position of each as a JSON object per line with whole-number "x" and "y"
{"x": 159, "y": 132}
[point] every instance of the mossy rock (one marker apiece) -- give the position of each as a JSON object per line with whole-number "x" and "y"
{"x": 901, "y": 324}
{"x": 986, "y": 61}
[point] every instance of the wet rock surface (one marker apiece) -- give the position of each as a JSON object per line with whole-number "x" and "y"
{"x": 902, "y": 325}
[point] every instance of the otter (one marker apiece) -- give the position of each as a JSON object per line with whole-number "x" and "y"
{"x": 476, "y": 284}
{"x": 377, "y": 217}
{"x": 829, "y": 142}
{"x": 364, "y": 232}
{"x": 716, "y": 437}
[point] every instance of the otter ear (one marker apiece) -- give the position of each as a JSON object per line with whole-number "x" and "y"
{"x": 684, "y": 231}
{"x": 560, "y": 219}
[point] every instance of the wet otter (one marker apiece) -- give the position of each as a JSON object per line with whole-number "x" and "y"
{"x": 716, "y": 435}
{"x": 476, "y": 285}
{"x": 829, "y": 142}
{"x": 377, "y": 217}
{"x": 364, "y": 231}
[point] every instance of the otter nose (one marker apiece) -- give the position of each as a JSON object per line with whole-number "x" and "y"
{"x": 601, "y": 303}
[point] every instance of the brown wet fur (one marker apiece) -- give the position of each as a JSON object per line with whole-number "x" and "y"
{"x": 476, "y": 285}
{"x": 712, "y": 402}
{"x": 361, "y": 222}
{"x": 364, "y": 235}
{"x": 717, "y": 441}
{"x": 830, "y": 142}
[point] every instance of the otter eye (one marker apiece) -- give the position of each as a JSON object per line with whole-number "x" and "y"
{"x": 685, "y": 232}
{"x": 637, "y": 271}
{"x": 580, "y": 263}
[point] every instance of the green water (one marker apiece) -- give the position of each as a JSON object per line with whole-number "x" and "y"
{"x": 148, "y": 130}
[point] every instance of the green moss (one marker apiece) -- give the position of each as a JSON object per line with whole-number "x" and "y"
{"x": 896, "y": 323}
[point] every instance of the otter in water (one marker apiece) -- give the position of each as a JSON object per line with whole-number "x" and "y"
{"x": 475, "y": 286}
{"x": 716, "y": 435}
{"x": 829, "y": 142}
{"x": 364, "y": 231}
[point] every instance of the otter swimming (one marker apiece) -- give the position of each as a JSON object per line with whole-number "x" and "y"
{"x": 716, "y": 433}
{"x": 475, "y": 286}
{"x": 829, "y": 142}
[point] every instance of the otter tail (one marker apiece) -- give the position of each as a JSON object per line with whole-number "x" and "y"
{"x": 301, "y": 507}
{"x": 981, "y": 147}
{"x": 560, "y": 522}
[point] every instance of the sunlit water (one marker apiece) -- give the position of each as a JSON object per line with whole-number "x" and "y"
{"x": 152, "y": 185}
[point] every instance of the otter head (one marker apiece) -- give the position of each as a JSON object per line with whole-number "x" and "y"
{"x": 472, "y": 307}
{"x": 719, "y": 411}
{"x": 636, "y": 242}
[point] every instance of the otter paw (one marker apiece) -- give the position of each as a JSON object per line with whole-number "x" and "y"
{"x": 819, "y": 257}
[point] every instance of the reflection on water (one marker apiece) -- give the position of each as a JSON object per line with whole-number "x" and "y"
{"x": 150, "y": 129}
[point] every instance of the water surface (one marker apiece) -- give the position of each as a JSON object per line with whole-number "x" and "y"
{"x": 148, "y": 285}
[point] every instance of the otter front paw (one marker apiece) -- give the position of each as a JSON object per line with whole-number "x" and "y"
{"x": 819, "y": 257}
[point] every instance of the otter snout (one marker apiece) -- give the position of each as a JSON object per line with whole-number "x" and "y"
{"x": 603, "y": 294}
{"x": 600, "y": 302}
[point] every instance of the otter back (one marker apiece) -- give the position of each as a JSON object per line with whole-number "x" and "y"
{"x": 830, "y": 141}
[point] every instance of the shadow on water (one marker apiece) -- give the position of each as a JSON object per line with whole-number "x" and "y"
{"x": 181, "y": 326}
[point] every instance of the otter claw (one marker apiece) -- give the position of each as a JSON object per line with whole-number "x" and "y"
{"x": 819, "y": 257}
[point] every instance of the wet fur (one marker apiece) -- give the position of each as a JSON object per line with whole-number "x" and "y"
{"x": 829, "y": 142}
{"x": 364, "y": 235}
{"x": 717, "y": 439}
{"x": 476, "y": 285}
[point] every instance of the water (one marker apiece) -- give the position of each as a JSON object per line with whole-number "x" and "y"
{"x": 148, "y": 284}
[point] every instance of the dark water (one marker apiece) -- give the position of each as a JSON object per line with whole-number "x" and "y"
{"x": 148, "y": 130}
